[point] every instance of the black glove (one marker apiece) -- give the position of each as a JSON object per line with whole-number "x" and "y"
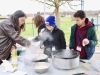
{"x": 1, "y": 61}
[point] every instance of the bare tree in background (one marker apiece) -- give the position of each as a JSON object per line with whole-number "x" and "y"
{"x": 56, "y": 4}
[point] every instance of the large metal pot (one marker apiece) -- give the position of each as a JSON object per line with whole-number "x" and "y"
{"x": 66, "y": 59}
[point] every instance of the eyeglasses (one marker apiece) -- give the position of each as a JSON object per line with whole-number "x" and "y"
{"x": 47, "y": 25}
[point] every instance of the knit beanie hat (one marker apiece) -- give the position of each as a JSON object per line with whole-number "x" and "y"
{"x": 51, "y": 21}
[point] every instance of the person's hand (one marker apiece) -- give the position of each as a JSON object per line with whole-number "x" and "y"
{"x": 18, "y": 45}
{"x": 31, "y": 47}
{"x": 12, "y": 48}
{"x": 72, "y": 49}
{"x": 85, "y": 42}
{"x": 42, "y": 47}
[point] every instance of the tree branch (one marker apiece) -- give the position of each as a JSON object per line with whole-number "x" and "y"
{"x": 52, "y": 1}
{"x": 46, "y": 3}
{"x": 74, "y": 5}
{"x": 63, "y": 3}
{"x": 49, "y": 7}
{"x": 70, "y": 6}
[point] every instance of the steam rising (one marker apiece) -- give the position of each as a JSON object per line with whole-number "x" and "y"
{"x": 29, "y": 55}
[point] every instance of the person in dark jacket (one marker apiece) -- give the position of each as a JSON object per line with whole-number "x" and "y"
{"x": 58, "y": 43}
{"x": 10, "y": 30}
{"x": 83, "y": 36}
{"x": 39, "y": 23}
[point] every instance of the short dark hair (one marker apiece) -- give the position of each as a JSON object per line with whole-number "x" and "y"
{"x": 14, "y": 18}
{"x": 80, "y": 13}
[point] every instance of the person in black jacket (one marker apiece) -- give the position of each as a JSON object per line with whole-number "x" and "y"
{"x": 39, "y": 23}
{"x": 58, "y": 43}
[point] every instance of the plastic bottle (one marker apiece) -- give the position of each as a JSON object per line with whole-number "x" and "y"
{"x": 14, "y": 58}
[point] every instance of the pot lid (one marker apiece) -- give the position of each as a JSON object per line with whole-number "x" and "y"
{"x": 67, "y": 54}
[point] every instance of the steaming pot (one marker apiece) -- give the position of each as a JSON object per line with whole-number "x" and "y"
{"x": 66, "y": 59}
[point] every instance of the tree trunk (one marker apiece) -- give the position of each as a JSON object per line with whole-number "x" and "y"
{"x": 57, "y": 17}
{"x": 57, "y": 14}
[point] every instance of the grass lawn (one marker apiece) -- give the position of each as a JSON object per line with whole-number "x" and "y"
{"x": 65, "y": 25}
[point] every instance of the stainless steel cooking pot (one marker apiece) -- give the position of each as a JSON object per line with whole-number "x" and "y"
{"x": 66, "y": 59}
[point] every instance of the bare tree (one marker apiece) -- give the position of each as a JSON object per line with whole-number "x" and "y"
{"x": 56, "y": 4}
